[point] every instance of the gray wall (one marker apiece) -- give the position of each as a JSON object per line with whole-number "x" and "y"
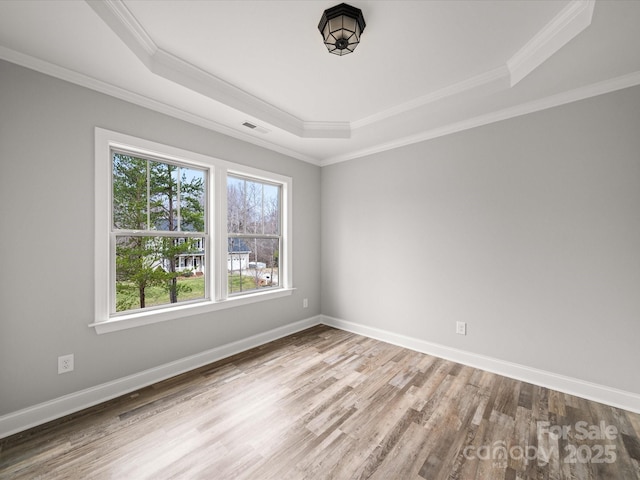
{"x": 46, "y": 246}
{"x": 527, "y": 229}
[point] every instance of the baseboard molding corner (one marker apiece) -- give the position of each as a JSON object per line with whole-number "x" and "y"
{"x": 591, "y": 391}
{"x": 41, "y": 413}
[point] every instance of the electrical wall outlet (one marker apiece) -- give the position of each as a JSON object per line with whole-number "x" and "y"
{"x": 305, "y": 303}
{"x": 461, "y": 328}
{"x": 65, "y": 363}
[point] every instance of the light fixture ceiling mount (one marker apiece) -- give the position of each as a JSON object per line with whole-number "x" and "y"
{"x": 341, "y": 27}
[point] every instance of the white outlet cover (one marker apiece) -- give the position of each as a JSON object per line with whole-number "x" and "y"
{"x": 65, "y": 363}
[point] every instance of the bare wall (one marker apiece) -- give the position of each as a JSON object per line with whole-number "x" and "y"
{"x": 527, "y": 229}
{"x": 46, "y": 246}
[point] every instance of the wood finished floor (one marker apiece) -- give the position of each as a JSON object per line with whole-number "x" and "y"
{"x": 328, "y": 404}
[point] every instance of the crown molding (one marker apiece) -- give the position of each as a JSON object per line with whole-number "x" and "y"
{"x": 120, "y": 19}
{"x": 124, "y": 24}
{"x": 498, "y": 76}
{"x": 327, "y": 130}
{"x": 572, "y": 20}
{"x": 599, "y": 88}
{"x": 102, "y": 87}
{"x": 582, "y": 93}
{"x": 171, "y": 67}
{"x": 565, "y": 26}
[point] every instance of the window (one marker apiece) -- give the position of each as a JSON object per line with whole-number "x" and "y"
{"x": 178, "y": 233}
{"x": 253, "y": 234}
{"x": 158, "y": 212}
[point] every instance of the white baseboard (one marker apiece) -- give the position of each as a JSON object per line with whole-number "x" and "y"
{"x": 573, "y": 386}
{"x": 38, "y": 414}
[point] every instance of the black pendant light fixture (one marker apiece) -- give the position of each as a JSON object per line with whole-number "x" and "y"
{"x": 341, "y": 27}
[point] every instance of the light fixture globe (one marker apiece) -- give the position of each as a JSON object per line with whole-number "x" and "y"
{"x": 341, "y": 27}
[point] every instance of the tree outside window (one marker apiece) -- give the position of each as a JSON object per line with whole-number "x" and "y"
{"x": 158, "y": 222}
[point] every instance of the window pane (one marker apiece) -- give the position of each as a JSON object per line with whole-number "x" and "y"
{"x": 163, "y": 188}
{"x": 153, "y": 271}
{"x": 252, "y": 207}
{"x": 271, "y": 210}
{"x": 252, "y": 263}
{"x": 236, "y": 215}
{"x": 254, "y": 201}
{"x": 192, "y": 192}
{"x": 129, "y": 192}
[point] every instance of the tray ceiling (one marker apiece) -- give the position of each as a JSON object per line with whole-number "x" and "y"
{"x": 423, "y": 68}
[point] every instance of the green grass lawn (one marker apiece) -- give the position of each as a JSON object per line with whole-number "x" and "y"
{"x": 190, "y": 288}
{"x": 127, "y": 298}
{"x": 239, "y": 283}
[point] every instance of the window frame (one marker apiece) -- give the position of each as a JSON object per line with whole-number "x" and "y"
{"x": 245, "y": 236}
{"x": 216, "y": 293}
{"x": 149, "y": 231}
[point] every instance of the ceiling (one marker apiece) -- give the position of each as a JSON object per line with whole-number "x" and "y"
{"x": 423, "y": 68}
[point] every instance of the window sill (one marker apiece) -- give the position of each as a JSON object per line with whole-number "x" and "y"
{"x": 149, "y": 317}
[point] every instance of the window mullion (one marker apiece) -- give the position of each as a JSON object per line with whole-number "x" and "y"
{"x": 252, "y": 235}
{"x": 112, "y": 273}
{"x": 148, "y": 195}
{"x": 158, "y": 233}
{"x": 178, "y": 208}
{"x": 221, "y": 237}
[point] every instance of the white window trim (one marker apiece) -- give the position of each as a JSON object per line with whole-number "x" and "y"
{"x": 217, "y": 298}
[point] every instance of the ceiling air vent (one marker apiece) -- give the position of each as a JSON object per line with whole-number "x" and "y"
{"x": 257, "y": 128}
